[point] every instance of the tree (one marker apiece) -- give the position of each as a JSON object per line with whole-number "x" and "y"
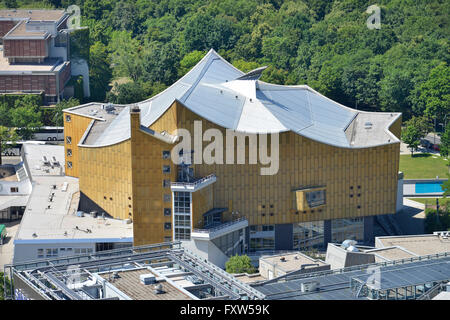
{"x": 4, "y": 280}
{"x": 129, "y": 92}
{"x": 190, "y": 60}
{"x": 126, "y": 55}
{"x": 100, "y": 73}
{"x": 239, "y": 264}
{"x": 26, "y": 117}
{"x": 434, "y": 94}
{"x": 204, "y": 32}
{"x": 411, "y": 136}
{"x": 7, "y": 135}
{"x": 445, "y": 141}
{"x": 57, "y": 118}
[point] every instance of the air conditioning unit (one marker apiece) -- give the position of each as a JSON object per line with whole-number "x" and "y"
{"x": 147, "y": 278}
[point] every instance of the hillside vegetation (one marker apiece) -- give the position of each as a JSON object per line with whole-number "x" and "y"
{"x": 403, "y": 66}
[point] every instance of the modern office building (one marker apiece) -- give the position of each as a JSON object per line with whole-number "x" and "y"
{"x": 35, "y": 53}
{"x": 337, "y": 167}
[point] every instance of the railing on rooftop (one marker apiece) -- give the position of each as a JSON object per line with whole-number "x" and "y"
{"x": 39, "y": 263}
{"x": 194, "y": 183}
{"x": 289, "y": 276}
{"x": 219, "y": 227}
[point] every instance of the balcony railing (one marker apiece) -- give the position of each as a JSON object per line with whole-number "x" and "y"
{"x": 219, "y": 227}
{"x": 189, "y": 186}
{"x": 225, "y": 228}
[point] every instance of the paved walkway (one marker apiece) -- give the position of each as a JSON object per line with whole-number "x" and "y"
{"x": 405, "y": 150}
{"x": 7, "y": 249}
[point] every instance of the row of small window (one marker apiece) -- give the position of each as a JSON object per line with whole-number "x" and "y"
{"x": 14, "y": 189}
{"x": 55, "y": 252}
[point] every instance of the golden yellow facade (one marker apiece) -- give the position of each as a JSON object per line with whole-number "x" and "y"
{"x": 74, "y": 129}
{"x": 105, "y": 177}
{"x": 150, "y": 194}
{"x": 358, "y": 182}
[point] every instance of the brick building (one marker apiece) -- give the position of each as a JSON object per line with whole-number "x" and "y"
{"x": 34, "y": 54}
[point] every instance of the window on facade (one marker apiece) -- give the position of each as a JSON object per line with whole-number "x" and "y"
{"x": 53, "y": 252}
{"x": 166, "y": 169}
{"x": 167, "y": 226}
{"x": 166, "y": 154}
{"x": 182, "y": 221}
{"x": 315, "y": 198}
{"x": 167, "y": 211}
{"x": 182, "y": 215}
{"x": 14, "y": 189}
{"x": 69, "y": 152}
{"x": 69, "y": 164}
{"x": 40, "y": 253}
{"x": 343, "y": 229}
{"x": 259, "y": 244}
{"x": 166, "y": 183}
{"x": 308, "y": 235}
{"x": 182, "y": 202}
{"x": 182, "y": 234}
{"x": 167, "y": 198}
{"x": 68, "y": 140}
{"x": 68, "y": 118}
{"x": 268, "y": 227}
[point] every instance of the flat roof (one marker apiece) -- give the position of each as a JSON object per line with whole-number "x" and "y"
{"x": 182, "y": 274}
{"x": 293, "y": 261}
{"x": 103, "y": 119}
{"x": 391, "y": 254}
{"x": 128, "y": 282}
{"x": 417, "y": 244}
{"x": 335, "y": 284}
{"x": 51, "y": 212}
{"x": 32, "y": 14}
{"x": 20, "y": 30}
{"x": 34, "y": 158}
{"x": 48, "y": 65}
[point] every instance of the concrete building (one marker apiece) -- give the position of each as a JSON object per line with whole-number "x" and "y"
{"x": 35, "y": 53}
{"x": 279, "y": 265}
{"x": 15, "y": 188}
{"x": 338, "y": 167}
{"x": 51, "y": 225}
{"x": 387, "y": 249}
{"x": 417, "y": 278}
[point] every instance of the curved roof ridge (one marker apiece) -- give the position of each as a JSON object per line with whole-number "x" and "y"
{"x": 214, "y": 90}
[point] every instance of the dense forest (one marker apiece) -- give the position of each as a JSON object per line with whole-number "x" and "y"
{"x": 139, "y": 47}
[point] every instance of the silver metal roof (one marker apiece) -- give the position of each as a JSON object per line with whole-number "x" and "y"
{"x": 224, "y": 95}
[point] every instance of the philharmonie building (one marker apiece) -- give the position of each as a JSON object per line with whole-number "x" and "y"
{"x": 337, "y": 166}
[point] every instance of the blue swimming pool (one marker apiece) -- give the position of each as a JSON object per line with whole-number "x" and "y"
{"x": 429, "y": 187}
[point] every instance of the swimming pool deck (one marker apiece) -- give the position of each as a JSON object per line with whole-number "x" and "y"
{"x": 409, "y": 188}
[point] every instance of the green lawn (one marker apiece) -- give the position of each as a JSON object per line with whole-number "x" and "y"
{"x": 431, "y": 201}
{"x": 423, "y": 166}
